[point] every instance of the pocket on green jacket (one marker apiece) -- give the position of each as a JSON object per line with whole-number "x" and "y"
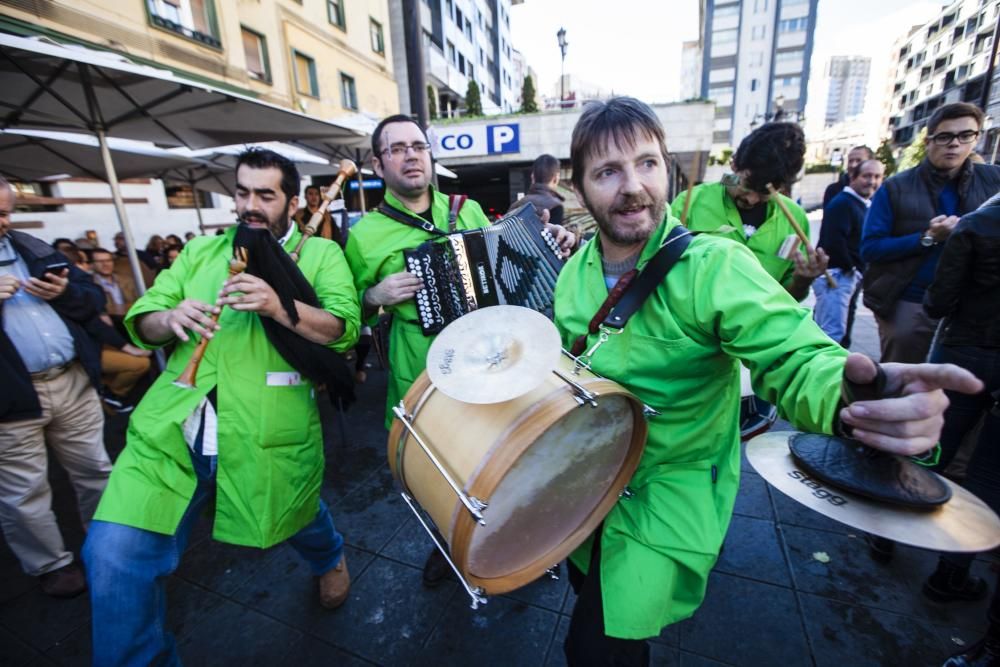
{"x": 283, "y": 419}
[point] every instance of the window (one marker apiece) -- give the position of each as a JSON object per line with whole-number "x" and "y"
{"x": 378, "y": 41}
{"x": 753, "y": 85}
{"x": 758, "y": 32}
{"x": 449, "y": 8}
{"x": 469, "y": 71}
{"x": 756, "y": 59}
{"x": 482, "y": 57}
{"x": 255, "y": 52}
{"x": 194, "y": 19}
{"x": 759, "y": 6}
{"x": 468, "y": 29}
{"x": 458, "y": 18}
{"x": 335, "y": 13}
{"x": 727, "y": 10}
{"x": 724, "y": 36}
{"x": 452, "y": 57}
{"x": 348, "y": 92}
{"x": 793, "y": 25}
{"x": 461, "y": 63}
{"x": 305, "y": 74}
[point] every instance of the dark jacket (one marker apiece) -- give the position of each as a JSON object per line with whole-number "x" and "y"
{"x": 835, "y": 189}
{"x": 840, "y": 233}
{"x": 966, "y": 287}
{"x": 542, "y": 196}
{"x": 913, "y": 196}
{"x": 82, "y": 301}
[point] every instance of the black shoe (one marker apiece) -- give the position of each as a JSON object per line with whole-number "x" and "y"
{"x": 984, "y": 653}
{"x": 437, "y": 570}
{"x": 881, "y": 549}
{"x": 951, "y": 583}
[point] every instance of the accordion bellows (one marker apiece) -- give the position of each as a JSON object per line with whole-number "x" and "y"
{"x": 512, "y": 262}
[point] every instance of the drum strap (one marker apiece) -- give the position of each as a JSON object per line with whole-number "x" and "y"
{"x": 409, "y": 219}
{"x": 632, "y": 289}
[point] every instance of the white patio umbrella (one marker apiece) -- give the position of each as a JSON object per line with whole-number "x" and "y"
{"x": 35, "y": 155}
{"x": 51, "y": 86}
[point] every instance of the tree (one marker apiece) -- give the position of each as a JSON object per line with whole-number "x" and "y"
{"x": 473, "y": 103}
{"x": 914, "y": 153}
{"x": 432, "y": 106}
{"x": 528, "y": 104}
{"x": 885, "y": 156}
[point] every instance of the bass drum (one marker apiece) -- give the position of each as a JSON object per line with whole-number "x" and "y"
{"x": 549, "y": 467}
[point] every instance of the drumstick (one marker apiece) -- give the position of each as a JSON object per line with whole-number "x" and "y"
{"x": 347, "y": 170}
{"x": 798, "y": 231}
{"x": 691, "y": 179}
{"x": 237, "y": 265}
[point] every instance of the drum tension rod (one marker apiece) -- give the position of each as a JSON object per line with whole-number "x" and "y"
{"x": 473, "y": 504}
{"x": 476, "y": 594}
{"x": 580, "y": 393}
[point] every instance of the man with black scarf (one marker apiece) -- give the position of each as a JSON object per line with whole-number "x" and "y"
{"x": 248, "y": 432}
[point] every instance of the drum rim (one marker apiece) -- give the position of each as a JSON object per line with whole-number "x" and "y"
{"x": 518, "y": 438}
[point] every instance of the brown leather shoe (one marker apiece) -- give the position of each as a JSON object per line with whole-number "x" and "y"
{"x": 334, "y": 585}
{"x": 66, "y": 582}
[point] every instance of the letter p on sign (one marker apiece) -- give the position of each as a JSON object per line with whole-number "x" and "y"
{"x": 503, "y": 139}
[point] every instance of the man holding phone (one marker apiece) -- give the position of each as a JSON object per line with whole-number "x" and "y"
{"x": 51, "y": 368}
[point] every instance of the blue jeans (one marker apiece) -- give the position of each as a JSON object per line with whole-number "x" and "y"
{"x": 833, "y": 303}
{"x": 127, "y": 571}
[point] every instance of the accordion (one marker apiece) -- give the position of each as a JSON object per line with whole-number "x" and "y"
{"x": 512, "y": 262}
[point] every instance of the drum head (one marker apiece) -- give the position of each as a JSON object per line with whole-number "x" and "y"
{"x": 550, "y": 494}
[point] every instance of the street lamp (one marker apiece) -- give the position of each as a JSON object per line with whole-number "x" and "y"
{"x": 561, "y": 35}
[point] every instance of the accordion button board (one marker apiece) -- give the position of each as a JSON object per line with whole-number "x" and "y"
{"x": 512, "y": 262}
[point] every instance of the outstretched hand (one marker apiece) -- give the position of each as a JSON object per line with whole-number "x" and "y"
{"x": 910, "y": 423}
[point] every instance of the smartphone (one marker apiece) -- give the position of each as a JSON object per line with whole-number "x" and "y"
{"x": 55, "y": 268}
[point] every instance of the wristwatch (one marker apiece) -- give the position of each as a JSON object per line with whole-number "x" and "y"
{"x": 927, "y": 240}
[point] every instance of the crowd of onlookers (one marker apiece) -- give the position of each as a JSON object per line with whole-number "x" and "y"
{"x": 123, "y": 364}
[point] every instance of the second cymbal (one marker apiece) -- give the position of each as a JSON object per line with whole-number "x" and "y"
{"x": 493, "y": 354}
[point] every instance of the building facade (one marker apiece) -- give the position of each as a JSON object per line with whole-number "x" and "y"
{"x": 755, "y": 62}
{"x": 325, "y": 59}
{"x": 848, "y": 85}
{"x": 329, "y": 59}
{"x": 941, "y": 62}
{"x": 463, "y": 40}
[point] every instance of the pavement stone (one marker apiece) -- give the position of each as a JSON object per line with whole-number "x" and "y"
{"x": 752, "y": 549}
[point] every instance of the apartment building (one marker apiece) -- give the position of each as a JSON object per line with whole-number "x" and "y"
{"x": 463, "y": 40}
{"x": 848, "y": 86}
{"x": 755, "y": 62}
{"x": 323, "y": 58}
{"x": 942, "y": 61}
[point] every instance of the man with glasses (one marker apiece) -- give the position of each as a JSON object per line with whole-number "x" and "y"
{"x": 740, "y": 208}
{"x": 910, "y": 218}
{"x": 401, "y": 156}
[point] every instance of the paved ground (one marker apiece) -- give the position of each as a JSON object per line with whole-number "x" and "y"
{"x": 769, "y": 601}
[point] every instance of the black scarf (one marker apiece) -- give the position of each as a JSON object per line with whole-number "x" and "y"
{"x": 267, "y": 260}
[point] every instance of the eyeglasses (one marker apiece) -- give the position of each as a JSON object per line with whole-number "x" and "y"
{"x": 945, "y": 138}
{"x": 399, "y": 150}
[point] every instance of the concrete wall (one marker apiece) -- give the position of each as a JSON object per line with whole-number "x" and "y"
{"x": 688, "y": 128}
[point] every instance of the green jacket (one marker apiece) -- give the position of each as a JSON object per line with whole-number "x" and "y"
{"x": 270, "y": 463}
{"x": 680, "y": 354}
{"x": 713, "y": 211}
{"x": 375, "y": 250}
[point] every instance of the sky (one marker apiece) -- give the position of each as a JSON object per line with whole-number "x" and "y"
{"x": 633, "y": 47}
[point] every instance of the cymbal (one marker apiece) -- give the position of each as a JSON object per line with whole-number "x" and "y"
{"x": 963, "y": 524}
{"x": 493, "y": 354}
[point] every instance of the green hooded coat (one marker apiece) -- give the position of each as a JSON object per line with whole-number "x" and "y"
{"x": 713, "y": 211}
{"x": 680, "y": 354}
{"x": 270, "y": 461}
{"x": 374, "y": 251}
